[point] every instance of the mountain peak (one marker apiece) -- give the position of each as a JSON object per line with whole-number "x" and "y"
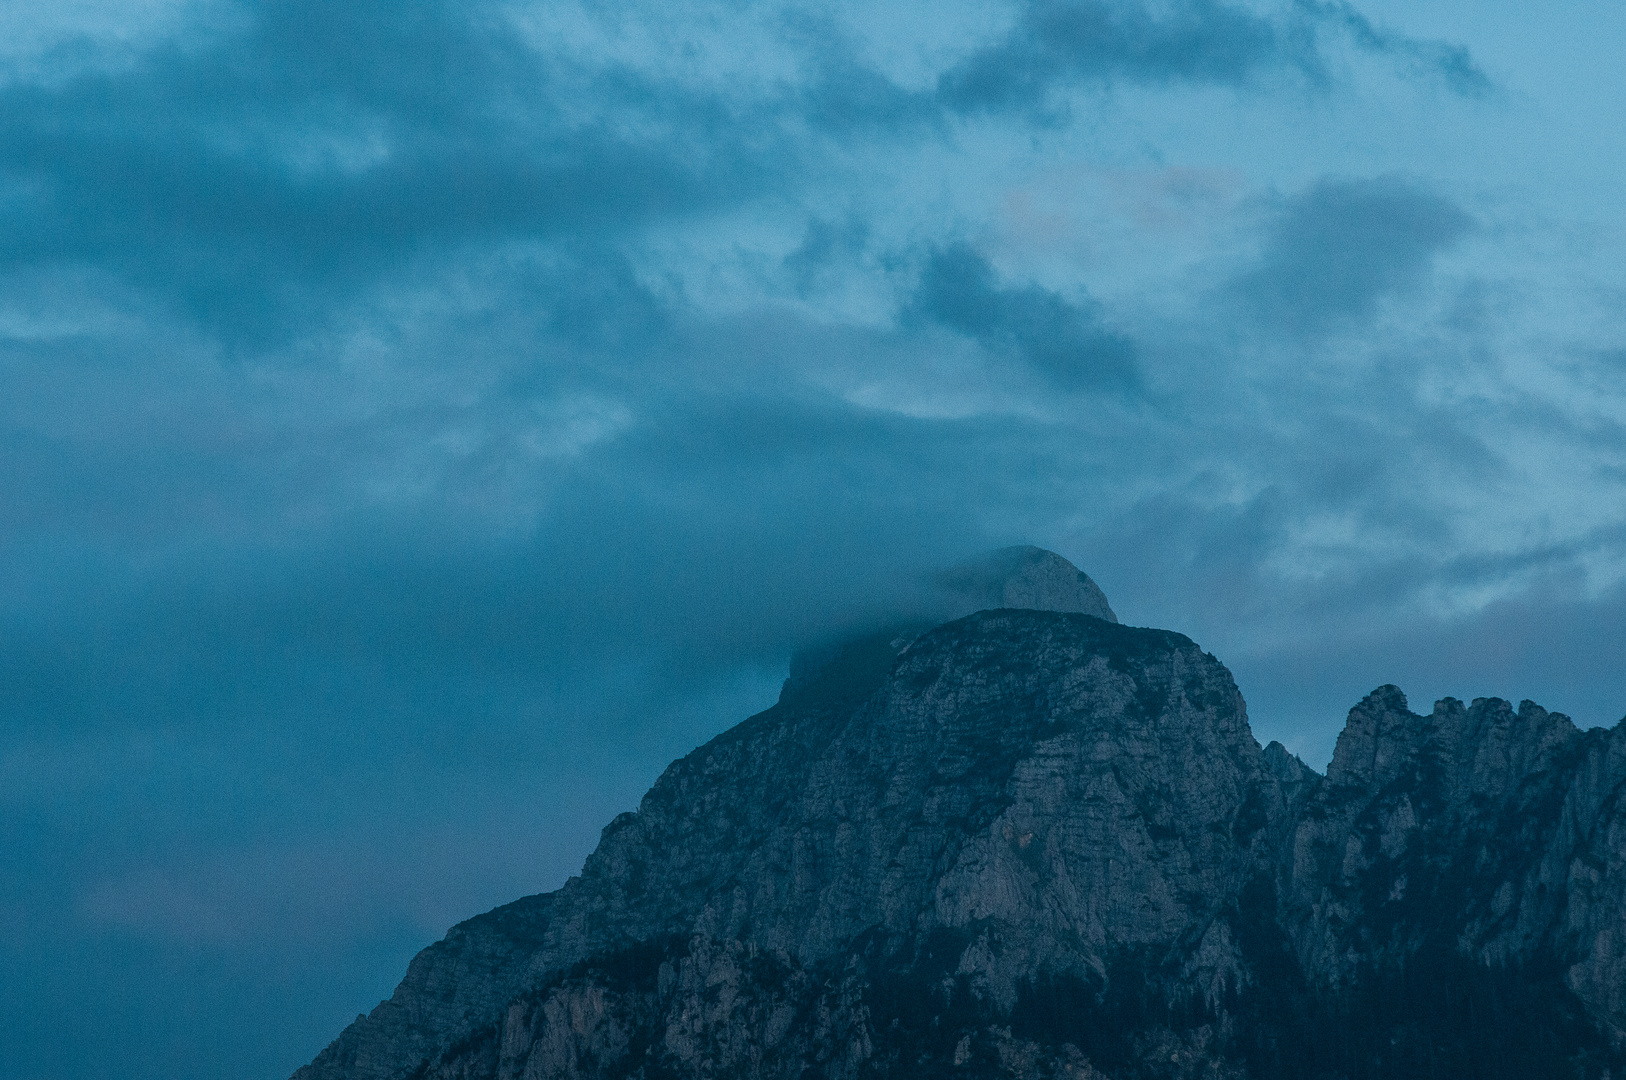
{"x": 1023, "y": 577}
{"x": 1033, "y": 844}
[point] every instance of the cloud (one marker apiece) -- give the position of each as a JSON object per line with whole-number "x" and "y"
{"x": 1057, "y": 44}
{"x": 1340, "y": 247}
{"x": 253, "y": 179}
{"x": 1549, "y": 643}
{"x": 256, "y": 176}
{"x": 422, "y": 421}
{"x": 1452, "y": 64}
{"x": 826, "y": 246}
{"x": 1061, "y": 342}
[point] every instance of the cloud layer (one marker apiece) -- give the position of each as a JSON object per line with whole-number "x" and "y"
{"x": 421, "y": 422}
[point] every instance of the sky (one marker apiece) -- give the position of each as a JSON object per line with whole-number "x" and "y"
{"x": 421, "y": 421}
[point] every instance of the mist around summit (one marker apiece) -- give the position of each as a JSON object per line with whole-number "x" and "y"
{"x": 1029, "y": 841}
{"x": 422, "y": 422}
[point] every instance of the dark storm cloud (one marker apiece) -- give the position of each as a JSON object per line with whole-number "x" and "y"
{"x": 328, "y": 142}
{"x": 253, "y": 178}
{"x": 647, "y": 541}
{"x": 1064, "y": 343}
{"x": 1340, "y": 247}
{"x": 1058, "y": 43}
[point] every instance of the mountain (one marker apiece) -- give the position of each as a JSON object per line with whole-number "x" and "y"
{"x": 1020, "y": 577}
{"x": 1037, "y": 843}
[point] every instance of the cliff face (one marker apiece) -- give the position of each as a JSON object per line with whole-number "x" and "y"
{"x": 1492, "y": 833}
{"x": 1036, "y": 843}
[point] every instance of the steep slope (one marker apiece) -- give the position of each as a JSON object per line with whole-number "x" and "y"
{"x": 1038, "y": 843}
{"x": 1020, "y": 796}
{"x": 1474, "y": 830}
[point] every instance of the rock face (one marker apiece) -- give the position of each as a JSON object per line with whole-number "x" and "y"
{"x": 1037, "y": 843}
{"x": 1476, "y": 832}
{"x": 1022, "y": 577}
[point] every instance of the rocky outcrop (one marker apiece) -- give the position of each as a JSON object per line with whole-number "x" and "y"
{"x": 1041, "y": 844}
{"x": 1021, "y": 577}
{"x": 1476, "y": 830}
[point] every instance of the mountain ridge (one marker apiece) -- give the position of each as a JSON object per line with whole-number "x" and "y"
{"x": 1038, "y": 843}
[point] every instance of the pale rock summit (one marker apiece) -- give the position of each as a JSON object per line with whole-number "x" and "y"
{"x": 1023, "y": 577}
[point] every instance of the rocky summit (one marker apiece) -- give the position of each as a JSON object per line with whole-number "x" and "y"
{"x": 1036, "y": 843}
{"x": 1021, "y": 577}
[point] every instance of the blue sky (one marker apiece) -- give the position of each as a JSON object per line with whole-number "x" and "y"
{"x": 421, "y": 421}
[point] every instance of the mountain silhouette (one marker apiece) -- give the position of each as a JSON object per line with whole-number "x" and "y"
{"x": 1038, "y": 843}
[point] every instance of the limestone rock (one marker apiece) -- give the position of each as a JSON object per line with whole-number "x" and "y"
{"x": 1022, "y": 577}
{"x": 1036, "y": 843}
{"x": 1477, "y": 829}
